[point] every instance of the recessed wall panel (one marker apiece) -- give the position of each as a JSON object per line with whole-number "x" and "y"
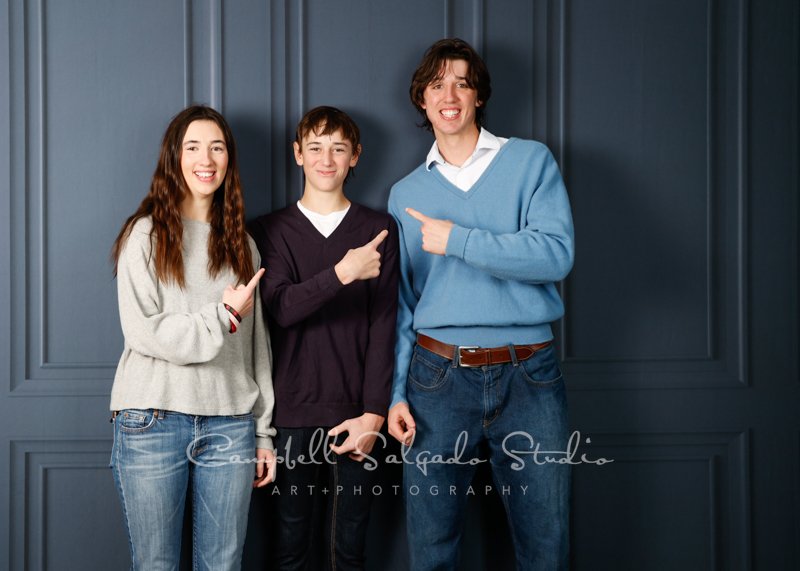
{"x": 640, "y": 180}
{"x": 56, "y": 483}
{"x": 695, "y": 485}
{"x": 98, "y": 125}
{"x": 652, "y": 116}
{"x": 93, "y": 87}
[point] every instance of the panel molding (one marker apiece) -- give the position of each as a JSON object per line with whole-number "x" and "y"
{"x": 726, "y": 359}
{"x": 287, "y": 94}
{"x": 727, "y": 457}
{"x": 29, "y": 463}
{"x": 32, "y": 371}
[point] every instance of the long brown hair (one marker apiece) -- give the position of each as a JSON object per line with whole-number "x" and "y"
{"x": 227, "y": 243}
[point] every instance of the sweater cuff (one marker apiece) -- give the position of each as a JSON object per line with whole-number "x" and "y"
{"x": 398, "y": 396}
{"x": 224, "y": 317}
{"x": 376, "y": 408}
{"x": 457, "y": 241}
{"x": 331, "y": 280}
{"x": 264, "y": 442}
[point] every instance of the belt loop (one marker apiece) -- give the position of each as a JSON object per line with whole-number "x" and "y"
{"x": 456, "y": 356}
{"x": 513, "y": 352}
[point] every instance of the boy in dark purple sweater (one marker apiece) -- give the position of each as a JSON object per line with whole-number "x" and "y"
{"x": 330, "y": 297}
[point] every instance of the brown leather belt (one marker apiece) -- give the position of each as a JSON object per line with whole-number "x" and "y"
{"x": 469, "y": 356}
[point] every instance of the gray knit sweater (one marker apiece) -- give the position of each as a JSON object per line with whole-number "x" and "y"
{"x": 178, "y": 353}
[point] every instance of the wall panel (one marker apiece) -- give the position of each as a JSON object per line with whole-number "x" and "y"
{"x": 695, "y": 485}
{"x": 79, "y": 126}
{"x": 675, "y": 124}
{"x": 663, "y": 200}
{"x": 55, "y": 485}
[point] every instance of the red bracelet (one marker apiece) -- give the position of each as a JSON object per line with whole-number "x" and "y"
{"x": 233, "y": 312}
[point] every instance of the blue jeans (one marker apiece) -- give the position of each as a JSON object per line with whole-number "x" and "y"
{"x": 346, "y": 486}
{"x": 156, "y": 454}
{"x": 490, "y": 413}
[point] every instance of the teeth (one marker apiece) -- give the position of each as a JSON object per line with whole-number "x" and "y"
{"x": 205, "y": 174}
{"x": 450, "y": 113}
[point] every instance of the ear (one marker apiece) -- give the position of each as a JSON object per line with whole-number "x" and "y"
{"x": 354, "y": 158}
{"x": 298, "y": 156}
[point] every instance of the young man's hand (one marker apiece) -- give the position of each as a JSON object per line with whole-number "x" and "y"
{"x": 401, "y": 423}
{"x": 435, "y": 232}
{"x": 361, "y": 434}
{"x": 265, "y": 467}
{"x": 362, "y": 263}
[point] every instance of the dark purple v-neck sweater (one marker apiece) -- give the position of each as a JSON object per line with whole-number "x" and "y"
{"x": 332, "y": 345}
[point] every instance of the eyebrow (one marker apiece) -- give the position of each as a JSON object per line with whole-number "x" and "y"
{"x": 192, "y": 141}
{"x": 336, "y": 144}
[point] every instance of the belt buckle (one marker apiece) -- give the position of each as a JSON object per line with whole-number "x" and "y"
{"x": 465, "y": 348}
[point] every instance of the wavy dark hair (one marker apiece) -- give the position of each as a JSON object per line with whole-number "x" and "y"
{"x": 432, "y": 68}
{"x": 227, "y": 244}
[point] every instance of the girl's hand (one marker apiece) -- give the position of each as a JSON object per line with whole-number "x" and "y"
{"x": 241, "y": 297}
{"x": 265, "y": 467}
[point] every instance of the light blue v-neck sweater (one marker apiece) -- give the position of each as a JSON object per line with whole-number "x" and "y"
{"x": 512, "y": 240}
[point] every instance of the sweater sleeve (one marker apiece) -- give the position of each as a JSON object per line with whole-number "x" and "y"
{"x": 541, "y": 252}
{"x": 406, "y": 304}
{"x": 177, "y": 337}
{"x": 379, "y": 360}
{"x": 262, "y": 373}
{"x": 287, "y": 302}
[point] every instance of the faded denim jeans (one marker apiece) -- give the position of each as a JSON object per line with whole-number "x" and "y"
{"x": 156, "y": 455}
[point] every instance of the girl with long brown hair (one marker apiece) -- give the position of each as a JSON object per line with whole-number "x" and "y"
{"x": 192, "y": 397}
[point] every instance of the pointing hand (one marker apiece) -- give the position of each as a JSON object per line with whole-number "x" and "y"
{"x": 435, "y": 232}
{"x": 362, "y": 263}
{"x": 240, "y": 298}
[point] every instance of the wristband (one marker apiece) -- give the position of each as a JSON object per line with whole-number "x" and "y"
{"x": 233, "y": 312}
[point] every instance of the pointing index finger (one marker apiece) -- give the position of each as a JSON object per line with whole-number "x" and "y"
{"x": 253, "y": 282}
{"x": 416, "y": 215}
{"x": 375, "y": 242}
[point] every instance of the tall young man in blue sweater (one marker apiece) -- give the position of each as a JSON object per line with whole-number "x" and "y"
{"x": 485, "y": 233}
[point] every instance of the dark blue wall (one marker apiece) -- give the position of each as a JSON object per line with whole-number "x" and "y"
{"x": 676, "y": 127}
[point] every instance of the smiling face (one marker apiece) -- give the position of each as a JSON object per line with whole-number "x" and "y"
{"x": 204, "y": 159}
{"x": 450, "y": 103}
{"x": 326, "y": 160}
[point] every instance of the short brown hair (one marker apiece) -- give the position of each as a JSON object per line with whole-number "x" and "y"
{"x": 326, "y": 120}
{"x": 432, "y": 67}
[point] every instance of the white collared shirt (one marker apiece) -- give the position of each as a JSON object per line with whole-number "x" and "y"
{"x": 467, "y": 174}
{"x": 324, "y": 223}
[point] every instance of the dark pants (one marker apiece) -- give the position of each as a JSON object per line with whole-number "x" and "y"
{"x": 309, "y": 470}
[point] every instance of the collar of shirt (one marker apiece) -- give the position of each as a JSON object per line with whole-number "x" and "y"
{"x": 324, "y": 223}
{"x": 486, "y": 142}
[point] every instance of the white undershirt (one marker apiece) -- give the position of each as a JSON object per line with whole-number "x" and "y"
{"x": 324, "y": 223}
{"x": 467, "y": 174}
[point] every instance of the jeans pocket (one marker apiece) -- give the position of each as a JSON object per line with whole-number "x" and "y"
{"x": 135, "y": 421}
{"x": 542, "y": 369}
{"x": 425, "y": 375}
